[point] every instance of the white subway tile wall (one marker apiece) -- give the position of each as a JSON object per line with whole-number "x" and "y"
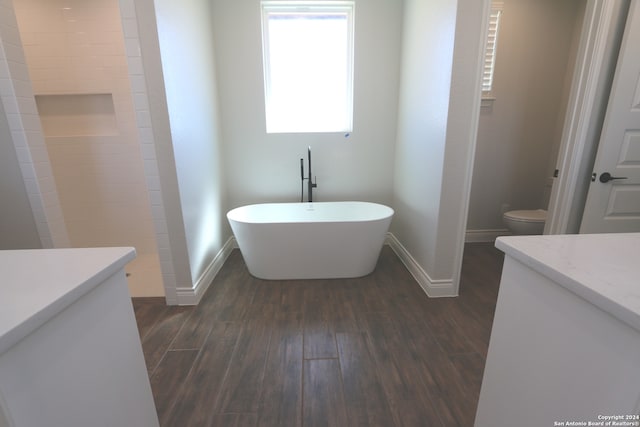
{"x": 74, "y": 47}
{"x": 17, "y": 98}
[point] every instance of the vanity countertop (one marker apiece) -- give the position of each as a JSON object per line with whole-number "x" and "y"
{"x": 35, "y": 285}
{"x": 603, "y": 269}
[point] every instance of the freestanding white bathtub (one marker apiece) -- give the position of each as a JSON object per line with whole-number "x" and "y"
{"x": 320, "y": 240}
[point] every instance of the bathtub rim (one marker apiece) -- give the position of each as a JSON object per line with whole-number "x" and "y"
{"x": 386, "y": 212}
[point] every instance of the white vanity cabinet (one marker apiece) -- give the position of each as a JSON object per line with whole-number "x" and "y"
{"x": 565, "y": 343}
{"x": 70, "y": 354}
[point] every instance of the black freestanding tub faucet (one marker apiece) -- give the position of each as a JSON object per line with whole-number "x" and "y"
{"x": 310, "y": 184}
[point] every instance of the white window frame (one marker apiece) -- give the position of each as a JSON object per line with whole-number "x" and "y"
{"x": 490, "y": 53}
{"x": 308, "y": 7}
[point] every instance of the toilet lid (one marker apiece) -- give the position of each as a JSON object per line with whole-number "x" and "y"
{"x": 538, "y": 215}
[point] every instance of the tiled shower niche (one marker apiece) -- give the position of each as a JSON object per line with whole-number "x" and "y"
{"x": 77, "y": 115}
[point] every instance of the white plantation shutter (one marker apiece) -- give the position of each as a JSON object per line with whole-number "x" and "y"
{"x": 492, "y": 44}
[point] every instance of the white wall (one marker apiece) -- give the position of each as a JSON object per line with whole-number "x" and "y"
{"x": 462, "y": 127}
{"x": 572, "y": 55}
{"x": 262, "y": 167}
{"x": 422, "y": 122}
{"x": 437, "y": 126}
{"x": 17, "y": 226}
{"x": 187, "y": 51}
{"x": 518, "y": 137}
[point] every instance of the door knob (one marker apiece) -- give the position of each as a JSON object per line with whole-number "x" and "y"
{"x": 606, "y": 177}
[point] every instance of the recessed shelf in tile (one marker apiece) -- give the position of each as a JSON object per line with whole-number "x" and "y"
{"x": 77, "y": 114}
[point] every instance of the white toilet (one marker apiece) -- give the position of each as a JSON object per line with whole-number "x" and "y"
{"x": 525, "y": 221}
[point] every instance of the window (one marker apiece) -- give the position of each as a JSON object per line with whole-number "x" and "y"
{"x": 308, "y": 66}
{"x": 492, "y": 45}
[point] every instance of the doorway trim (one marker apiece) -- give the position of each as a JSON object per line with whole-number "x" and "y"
{"x": 583, "y": 119}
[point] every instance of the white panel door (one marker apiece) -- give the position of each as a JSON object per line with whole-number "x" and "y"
{"x": 613, "y": 202}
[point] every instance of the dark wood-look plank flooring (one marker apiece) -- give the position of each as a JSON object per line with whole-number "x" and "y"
{"x": 372, "y": 351}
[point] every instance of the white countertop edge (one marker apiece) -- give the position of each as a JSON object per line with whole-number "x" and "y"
{"x": 606, "y": 304}
{"x": 37, "y": 319}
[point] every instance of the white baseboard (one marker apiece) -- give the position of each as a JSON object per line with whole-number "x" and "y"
{"x": 192, "y": 296}
{"x": 433, "y": 288}
{"x": 485, "y": 236}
